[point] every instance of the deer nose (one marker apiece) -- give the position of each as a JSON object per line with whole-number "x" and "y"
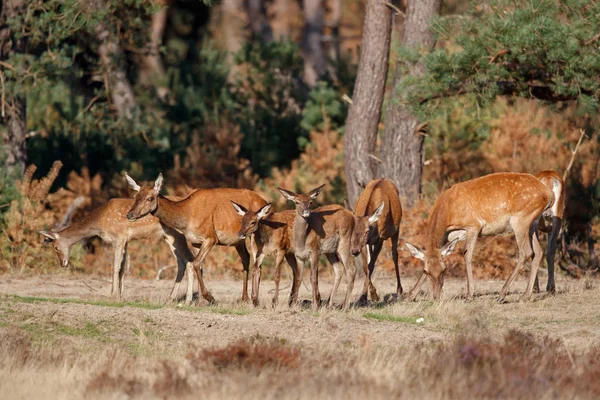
{"x": 306, "y": 213}
{"x": 241, "y": 236}
{"x": 355, "y": 252}
{"x": 130, "y": 216}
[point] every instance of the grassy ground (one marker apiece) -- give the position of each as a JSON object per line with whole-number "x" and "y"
{"x": 64, "y": 338}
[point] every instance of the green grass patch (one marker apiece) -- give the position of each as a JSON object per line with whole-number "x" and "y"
{"x": 101, "y": 303}
{"x": 389, "y": 317}
{"x": 89, "y": 331}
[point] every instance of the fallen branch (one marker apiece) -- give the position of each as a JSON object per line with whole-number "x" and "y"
{"x": 573, "y": 154}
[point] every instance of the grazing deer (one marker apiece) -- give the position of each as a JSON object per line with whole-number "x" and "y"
{"x": 379, "y": 195}
{"x": 273, "y": 235}
{"x": 111, "y": 225}
{"x": 491, "y": 205}
{"x": 325, "y": 230}
{"x": 551, "y": 221}
{"x": 205, "y": 218}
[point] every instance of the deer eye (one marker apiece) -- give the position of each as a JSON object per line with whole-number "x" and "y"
{"x": 148, "y": 199}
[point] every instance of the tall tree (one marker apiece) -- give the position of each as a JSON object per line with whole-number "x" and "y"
{"x": 402, "y": 144}
{"x": 363, "y": 117}
{"x": 315, "y": 64}
{"x": 259, "y": 23}
{"x": 13, "y": 107}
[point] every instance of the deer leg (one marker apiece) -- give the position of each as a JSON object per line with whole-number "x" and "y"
{"x": 204, "y": 249}
{"x": 415, "y": 290}
{"x": 337, "y": 271}
{"x": 374, "y": 255}
{"x": 350, "y": 268}
{"x": 117, "y": 264}
{"x": 552, "y": 238}
{"x": 394, "y": 239}
{"x": 314, "y": 280}
{"x": 256, "y": 273}
{"x": 245, "y": 256}
{"x": 297, "y": 277}
{"x": 181, "y": 266}
{"x": 124, "y": 267}
{"x": 538, "y": 255}
{"x": 525, "y": 253}
{"x": 364, "y": 259}
{"x": 279, "y": 256}
{"x": 471, "y": 241}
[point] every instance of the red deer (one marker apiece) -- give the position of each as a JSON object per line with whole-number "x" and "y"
{"x": 551, "y": 221}
{"x": 273, "y": 235}
{"x": 205, "y": 218}
{"x": 325, "y": 230}
{"x": 487, "y": 206}
{"x": 378, "y": 193}
{"x": 110, "y": 223}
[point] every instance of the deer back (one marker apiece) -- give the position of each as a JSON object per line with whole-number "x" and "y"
{"x": 376, "y": 192}
{"x": 328, "y": 226}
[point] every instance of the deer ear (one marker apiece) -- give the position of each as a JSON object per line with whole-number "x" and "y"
{"x": 449, "y": 247}
{"x": 49, "y": 236}
{"x": 287, "y": 194}
{"x": 377, "y": 214}
{"x": 158, "y": 183}
{"x": 238, "y": 208}
{"x": 132, "y": 183}
{"x": 315, "y": 192}
{"x": 415, "y": 251}
{"x": 263, "y": 211}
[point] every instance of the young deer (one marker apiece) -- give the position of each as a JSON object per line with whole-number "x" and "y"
{"x": 491, "y": 205}
{"x": 205, "y": 218}
{"x": 379, "y": 195}
{"x": 551, "y": 221}
{"x": 273, "y": 235}
{"x": 111, "y": 225}
{"x": 325, "y": 230}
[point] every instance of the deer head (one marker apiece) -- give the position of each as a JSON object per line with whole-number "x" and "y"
{"x": 363, "y": 228}
{"x": 250, "y": 219}
{"x": 434, "y": 263}
{"x": 303, "y": 201}
{"x": 146, "y": 198}
{"x": 61, "y": 248}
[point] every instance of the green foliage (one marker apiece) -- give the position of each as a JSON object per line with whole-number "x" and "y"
{"x": 324, "y": 109}
{"x": 543, "y": 49}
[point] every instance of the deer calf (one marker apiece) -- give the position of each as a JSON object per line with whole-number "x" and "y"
{"x": 379, "y": 213}
{"x": 111, "y": 225}
{"x": 487, "y": 206}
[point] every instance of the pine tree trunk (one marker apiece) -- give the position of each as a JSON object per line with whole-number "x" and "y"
{"x": 281, "y": 20}
{"x": 151, "y": 66}
{"x": 363, "y": 117}
{"x": 259, "y": 23}
{"x": 14, "y": 114}
{"x": 401, "y": 144}
{"x": 314, "y": 57}
{"x": 232, "y": 21}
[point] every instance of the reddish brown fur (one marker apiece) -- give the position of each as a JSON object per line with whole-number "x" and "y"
{"x": 109, "y": 222}
{"x": 491, "y": 205}
{"x": 205, "y": 218}
{"x": 387, "y": 227}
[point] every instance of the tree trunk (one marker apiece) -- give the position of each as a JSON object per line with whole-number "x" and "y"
{"x": 281, "y": 20}
{"x": 363, "y": 117}
{"x": 152, "y": 68}
{"x": 314, "y": 57}
{"x": 13, "y": 113}
{"x": 233, "y": 22}
{"x": 259, "y": 23}
{"x": 401, "y": 144}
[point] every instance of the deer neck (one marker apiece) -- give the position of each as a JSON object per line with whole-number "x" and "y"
{"x": 172, "y": 213}
{"x": 436, "y": 229}
{"x": 300, "y": 232}
{"x": 78, "y": 231}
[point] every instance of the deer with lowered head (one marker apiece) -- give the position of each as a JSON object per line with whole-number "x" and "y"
{"x": 110, "y": 223}
{"x": 378, "y": 214}
{"x": 487, "y": 206}
{"x": 273, "y": 235}
{"x": 205, "y": 218}
{"x": 325, "y": 230}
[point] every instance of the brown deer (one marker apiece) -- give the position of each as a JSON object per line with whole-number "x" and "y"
{"x": 273, "y": 235}
{"x": 205, "y": 218}
{"x": 372, "y": 232}
{"x": 325, "y": 230}
{"x": 487, "y": 206}
{"x": 110, "y": 223}
{"x": 551, "y": 221}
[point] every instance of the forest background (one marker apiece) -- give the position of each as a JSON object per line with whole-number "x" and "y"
{"x": 260, "y": 94}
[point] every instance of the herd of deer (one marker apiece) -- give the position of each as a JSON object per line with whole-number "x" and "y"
{"x": 490, "y": 205}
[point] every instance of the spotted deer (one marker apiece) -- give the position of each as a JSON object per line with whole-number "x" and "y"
{"x": 205, "y": 218}
{"x": 110, "y": 223}
{"x": 325, "y": 230}
{"x": 273, "y": 235}
{"x": 551, "y": 221}
{"x": 378, "y": 214}
{"x": 487, "y": 206}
